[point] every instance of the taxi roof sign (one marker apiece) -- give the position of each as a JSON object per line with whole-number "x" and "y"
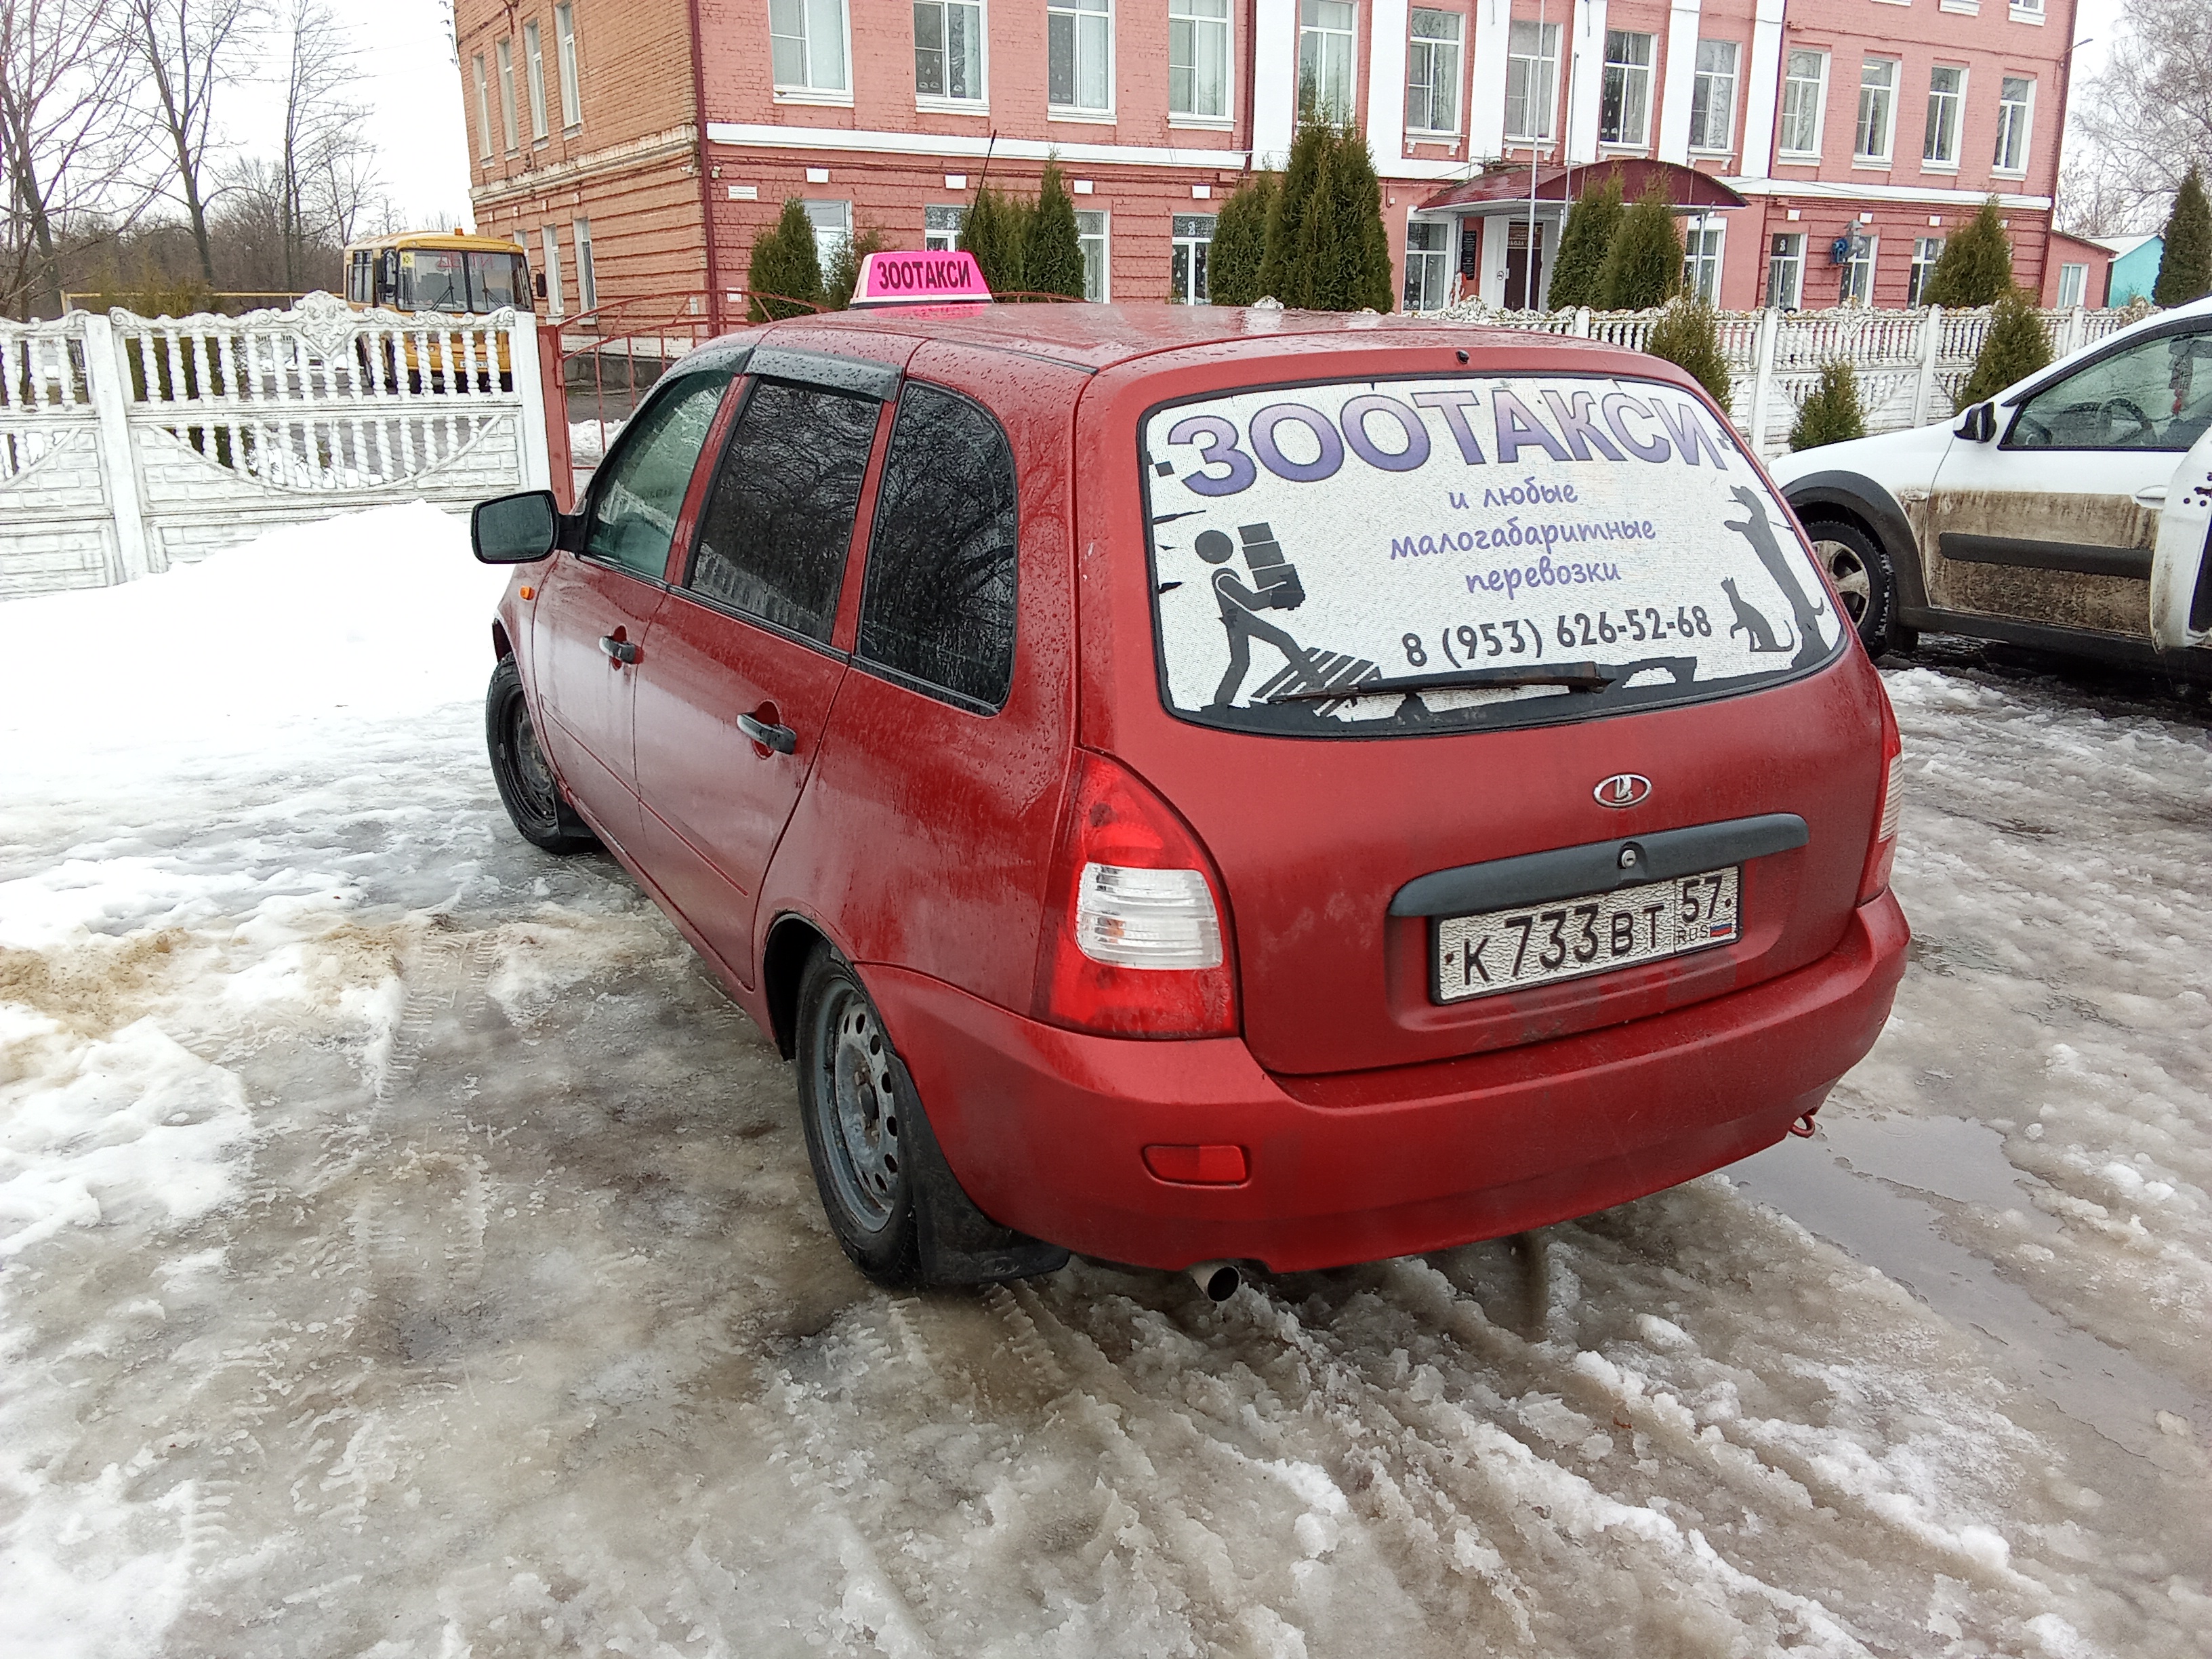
{"x": 936, "y": 277}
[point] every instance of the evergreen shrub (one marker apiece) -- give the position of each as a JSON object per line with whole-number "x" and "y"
{"x": 2013, "y": 349}
{"x": 1833, "y": 413}
{"x": 784, "y": 267}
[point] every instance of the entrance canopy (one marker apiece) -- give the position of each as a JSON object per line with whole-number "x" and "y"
{"x": 1503, "y": 189}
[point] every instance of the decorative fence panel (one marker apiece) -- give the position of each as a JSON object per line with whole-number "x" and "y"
{"x": 129, "y": 444}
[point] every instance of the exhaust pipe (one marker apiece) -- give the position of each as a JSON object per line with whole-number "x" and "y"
{"x": 1219, "y": 1279}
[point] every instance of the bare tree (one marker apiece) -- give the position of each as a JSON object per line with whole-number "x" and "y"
{"x": 2093, "y": 201}
{"x": 66, "y": 144}
{"x": 191, "y": 50}
{"x": 2149, "y": 114}
{"x": 326, "y": 171}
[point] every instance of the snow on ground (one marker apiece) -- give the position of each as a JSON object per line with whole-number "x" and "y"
{"x": 404, "y": 1250}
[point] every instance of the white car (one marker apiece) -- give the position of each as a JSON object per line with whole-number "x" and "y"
{"x": 2069, "y": 513}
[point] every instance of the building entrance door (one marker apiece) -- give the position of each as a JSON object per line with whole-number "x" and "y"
{"x": 1524, "y": 267}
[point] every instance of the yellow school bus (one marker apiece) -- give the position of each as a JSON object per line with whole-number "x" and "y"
{"x": 448, "y": 271}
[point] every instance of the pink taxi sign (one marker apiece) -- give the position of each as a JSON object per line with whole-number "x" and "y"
{"x": 939, "y": 276}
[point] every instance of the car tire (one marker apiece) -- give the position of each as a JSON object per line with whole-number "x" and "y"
{"x": 527, "y": 787}
{"x": 1865, "y": 579}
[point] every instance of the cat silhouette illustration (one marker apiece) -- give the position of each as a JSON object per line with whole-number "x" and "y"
{"x": 1756, "y": 529}
{"x": 1749, "y": 620}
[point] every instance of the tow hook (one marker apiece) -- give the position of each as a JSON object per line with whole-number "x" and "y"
{"x": 1804, "y": 1128}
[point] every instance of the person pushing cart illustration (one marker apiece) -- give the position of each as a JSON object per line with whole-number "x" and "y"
{"x": 1276, "y": 587}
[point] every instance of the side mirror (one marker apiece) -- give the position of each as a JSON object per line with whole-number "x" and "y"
{"x": 1978, "y": 424}
{"x": 515, "y": 529}
{"x": 537, "y": 282}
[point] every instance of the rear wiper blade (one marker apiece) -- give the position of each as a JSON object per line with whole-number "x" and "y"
{"x": 1575, "y": 676}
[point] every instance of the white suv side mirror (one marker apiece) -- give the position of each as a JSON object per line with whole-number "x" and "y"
{"x": 1978, "y": 424}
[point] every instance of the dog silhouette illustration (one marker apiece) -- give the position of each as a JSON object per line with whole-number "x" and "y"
{"x": 1759, "y": 534}
{"x": 1749, "y": 620}
{"x": 1276, "y": 587}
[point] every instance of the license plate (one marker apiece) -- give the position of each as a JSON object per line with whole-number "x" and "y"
{"x": 1542, "y": 944}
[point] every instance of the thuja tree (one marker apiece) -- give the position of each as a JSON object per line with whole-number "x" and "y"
{"x": 844, "y": 273}
{"x": 1833, "y": 413}
{"x": 784, "y": 271}
{"x": 996, "y": 232}
{"x": 1643, "y": 264}
{"x": 1326, "y": 246}
{"x": 1052, "y": 251}
{"x": 1975, "y": 267}
{"x": 2184, "y": 268}
{"x": 1688, "y": 335}
{"x": 1240, "y": 242}
{"x": 2015, "y": 348}
{"x": 1592, "y": 224}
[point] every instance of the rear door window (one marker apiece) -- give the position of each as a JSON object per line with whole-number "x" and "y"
{"x": 777, "y": 525}
{"x": 638, "y": 495}
{"x": 1365, "y": 559}
{"x": 938, "y": 605}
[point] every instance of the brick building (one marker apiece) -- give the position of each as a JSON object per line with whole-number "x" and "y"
{"x": 637, "y": 147}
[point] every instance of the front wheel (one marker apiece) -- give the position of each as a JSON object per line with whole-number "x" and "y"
{"x": 527, "y": 787}
{"x": 1866, "y": 580}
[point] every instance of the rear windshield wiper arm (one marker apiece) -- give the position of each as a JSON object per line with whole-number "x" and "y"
{"x": 1575, "y": 676}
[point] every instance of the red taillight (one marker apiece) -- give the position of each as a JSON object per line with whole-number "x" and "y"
{"x": 1883, "y": 854}
{"x": 1135, "y": 943}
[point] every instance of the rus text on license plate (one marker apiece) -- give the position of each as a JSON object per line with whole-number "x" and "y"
{"x": 1539, "y": 944}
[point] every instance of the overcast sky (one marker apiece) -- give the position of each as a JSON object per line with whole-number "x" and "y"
{"x": 410, "y": 84}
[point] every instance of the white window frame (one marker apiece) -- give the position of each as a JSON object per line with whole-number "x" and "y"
{"x": 1094, "y": 227}
{"x": 2027, "y": 11}
{"x": 1704, "y": 80}
{"x": 1440, "y": 56}
{"x": 533, "y": 77}
{"x": 980, "y": 104}
{"x": 1313, "y": 31}
{"x": 1794, "y": 261}
{"x": 1926, "y": 250}
{"x": 549, "y": 242}
{"x": 587, "y": 271}
{"x": 1188, "y": 244}
{"x": 832, "y": 224}
{"x": 483, "y": 108}
{"x": 942, "y": 237}
{"x": 564, "y": 48}
{"x": 2075, "y": 278}
{"x": 1950, "y": 132}
{"x": 813, "y": 89}
{"x": 1180, "y": 12}
{"x": 1544, "y": 63}
{"x": 1793, "y": 84}
{"x": 1854, "y": 286}
{"x": 1860, "y": 129}
{"x": 508, "y": 125}
{"x": 1430, "y": 261}
{"x": 1077, "y": 12}
{"x": 2018, "y": 128}
{"x": 1703, "y": 263}
{"x": 1627, "y": 71}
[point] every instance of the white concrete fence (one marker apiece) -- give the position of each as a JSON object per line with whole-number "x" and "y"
{"x": 130, "y": 444}
{"x": 1911, "y": 364}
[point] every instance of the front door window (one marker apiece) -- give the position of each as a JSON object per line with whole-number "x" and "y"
{"x": 2156, "y": 395}
{"x": 638, "y": 494}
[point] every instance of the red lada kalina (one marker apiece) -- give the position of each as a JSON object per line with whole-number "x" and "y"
{"x": 1199, "y": 786}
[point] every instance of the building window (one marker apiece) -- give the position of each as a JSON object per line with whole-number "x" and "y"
{"x": 506, "y": 49}
{"x": 1858, "y": 288}
{"x": 2073, "y": 283}
{"x": 533, "y": 71}
{"x": 587, "y": 276}
{"x": 1325, "y": 52}
{"x": 1428, "y": 265}
{"x": 1432, "y": 72}
{"x": 1192, "y": 239}
{"x": 1090, "y": 236}
{"x": 941, "y": 227}
{"x": 1926, "y": 250}
{"x": 1713, "y": 96}
{"x": 2028, "y": 8}
{"x": 564, "y": 46}
{"x": 1624, "y": 106}
{"x": 1877, "y": 110}
{"x": 1531, "y": 65}
{"x": 833, "y": 223}
{"x": 1079, "y": 55}
{"x": 2015, "y": 99}
{"x": 807, "y": 41}
{"x": 550, "y": 240}
{"x": 1947, "y": 95}
{"x": 1785, "y": 271}
{"x": 1804, "y": 89}
{"x": 1198, "y": 58}
{"x": 484, "y": 107}
{"x": 1701, "y": 258}
{"x": 948, "y": 51}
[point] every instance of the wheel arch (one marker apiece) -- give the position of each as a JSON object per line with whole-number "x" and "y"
{"x": 501, "y": 646}
{"x": 792, "y": 938}
{"x": 1856, "y": 499}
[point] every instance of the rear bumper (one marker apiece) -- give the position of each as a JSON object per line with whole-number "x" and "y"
{"x": 1046, "y": 1127}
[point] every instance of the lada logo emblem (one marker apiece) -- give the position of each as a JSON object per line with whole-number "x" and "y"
{"x": 1622, "y": 789}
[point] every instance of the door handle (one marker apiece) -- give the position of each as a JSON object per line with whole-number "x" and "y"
{"x": 781, "y": 739}
{"x": 620, "y": 650}
{"x": 2151, "y": 496}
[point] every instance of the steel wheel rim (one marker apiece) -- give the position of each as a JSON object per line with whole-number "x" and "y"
{"x": 859, "y": 1107}
{"x": 1854, "y": 583}
{"x": 533, "y": 776}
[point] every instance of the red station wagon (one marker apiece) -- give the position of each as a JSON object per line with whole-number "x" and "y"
{"x": 1203, "y": 786}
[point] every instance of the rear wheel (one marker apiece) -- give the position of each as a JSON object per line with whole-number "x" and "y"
{"x": 1865, "y": 579}
{"x": 860, "y": 1115}
{"x": 527, "y": 787}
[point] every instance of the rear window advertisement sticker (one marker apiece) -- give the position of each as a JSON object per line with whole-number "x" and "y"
{"x": 1327, "y": 557}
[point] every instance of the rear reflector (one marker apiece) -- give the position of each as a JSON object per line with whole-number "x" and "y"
{"x": 1146, "y": 918}
{"x": 1197, "y": 1166}
{"x": 1893, "y": 798}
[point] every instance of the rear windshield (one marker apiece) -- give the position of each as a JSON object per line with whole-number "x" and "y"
{"x": 1406, "y": 555}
